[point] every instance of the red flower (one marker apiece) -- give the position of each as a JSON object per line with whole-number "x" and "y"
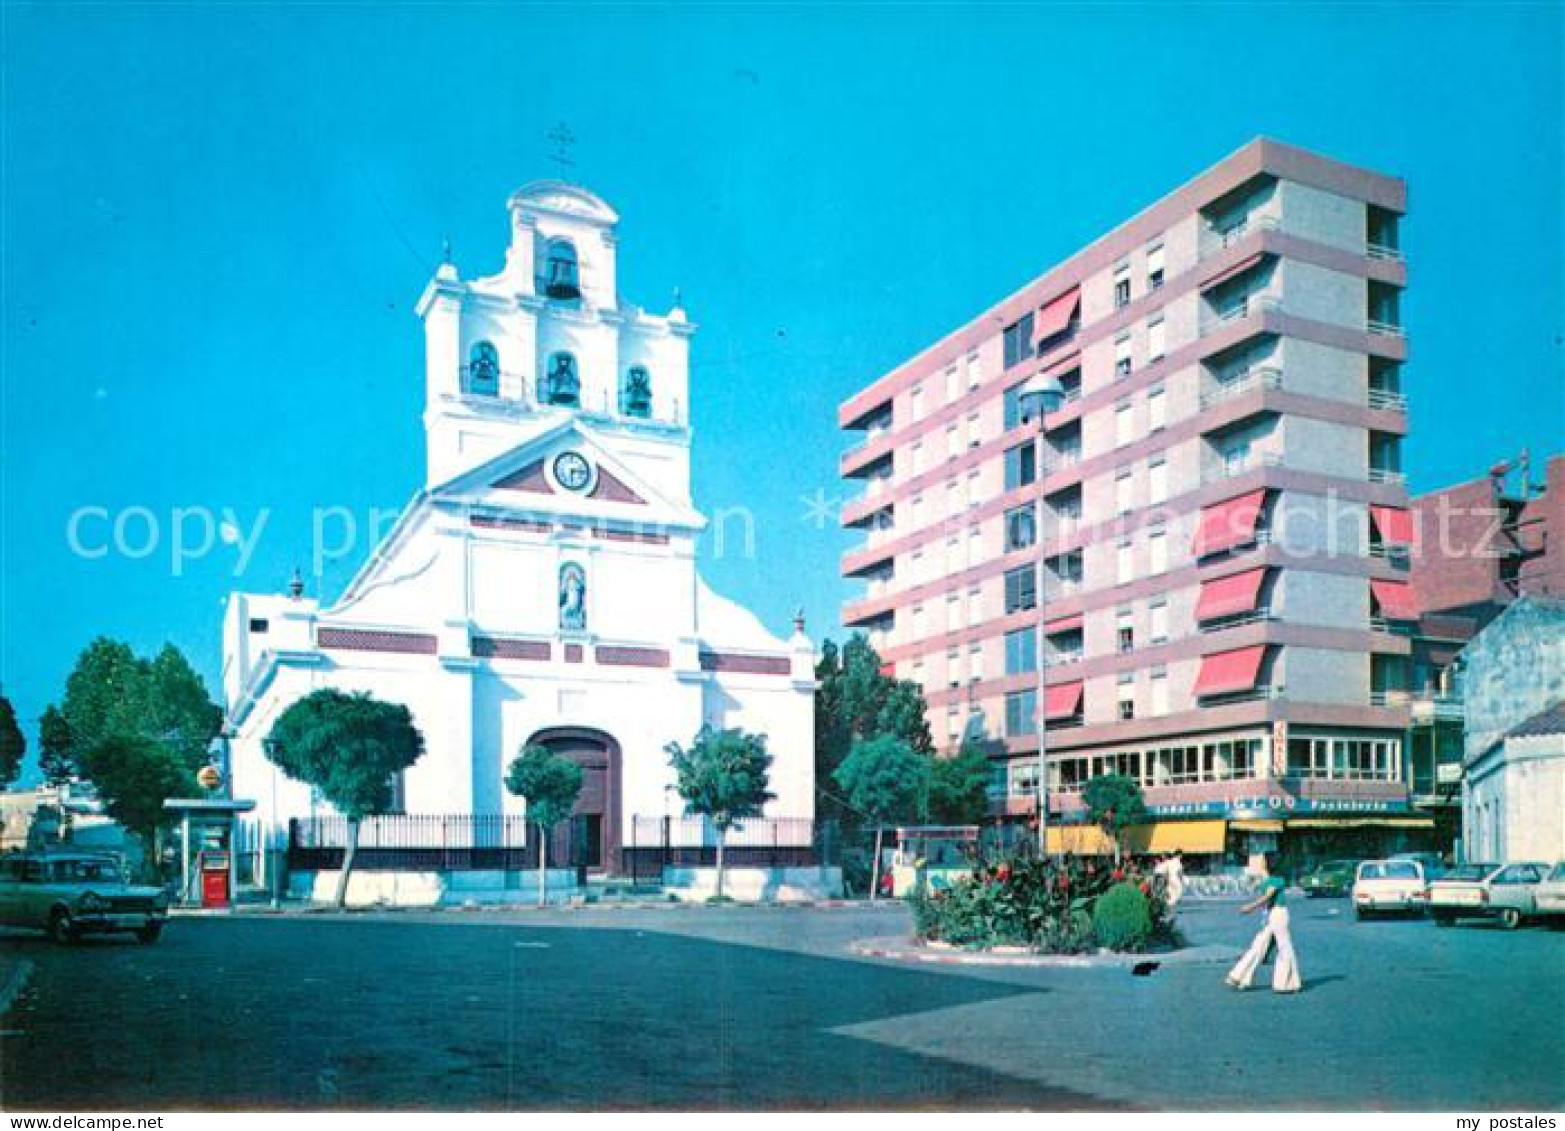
{"x": 1146, "y": 888}
{"x": 1004, "y": 873}
{"x": 1117, "y": 875}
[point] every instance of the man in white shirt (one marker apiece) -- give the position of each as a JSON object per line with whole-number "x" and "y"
{"x": 1172, "y": 871}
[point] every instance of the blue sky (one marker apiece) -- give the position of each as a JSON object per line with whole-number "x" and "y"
{"x": 217, "y": 220}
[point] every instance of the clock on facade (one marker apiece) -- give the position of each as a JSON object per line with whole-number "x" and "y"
{"x": 572, "y": 471}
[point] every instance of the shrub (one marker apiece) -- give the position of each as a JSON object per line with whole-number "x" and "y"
{"x": 1122, "y": 918}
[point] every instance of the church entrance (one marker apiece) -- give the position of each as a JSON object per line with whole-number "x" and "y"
{"x": 591, "y": 838}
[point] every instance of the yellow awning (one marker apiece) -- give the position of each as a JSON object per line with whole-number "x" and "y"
{"x": 1362, "y": 822}
{"x": 1184, "y": 836}
{"x": 1258, "y": 826}
{"x": 1078, "y": 840}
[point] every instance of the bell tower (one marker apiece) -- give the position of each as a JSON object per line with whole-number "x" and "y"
{"x": 508, "y": 355}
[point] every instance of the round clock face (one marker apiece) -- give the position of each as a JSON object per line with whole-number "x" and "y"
{"x": 572, "y": 470}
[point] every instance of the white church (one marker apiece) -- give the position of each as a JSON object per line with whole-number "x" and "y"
{"x": 542, "y": 585}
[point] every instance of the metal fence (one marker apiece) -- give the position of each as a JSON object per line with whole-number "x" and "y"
{"x": 655, "y": 843}
{"x": 414, "y": 842}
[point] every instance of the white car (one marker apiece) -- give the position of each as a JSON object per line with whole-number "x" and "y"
{"x": 1549, "y": 896}
{"x": 1388, "y": 885}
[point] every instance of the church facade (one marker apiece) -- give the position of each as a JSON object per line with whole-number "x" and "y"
{"x": 542, "y": 585}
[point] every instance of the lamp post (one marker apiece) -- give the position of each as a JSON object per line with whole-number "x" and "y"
{"x": 1038, "y": 396}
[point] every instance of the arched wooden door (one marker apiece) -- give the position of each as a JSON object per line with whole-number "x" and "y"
{"x": 592, "y": 838}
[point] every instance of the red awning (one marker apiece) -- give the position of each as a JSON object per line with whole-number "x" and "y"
{"x": 1064, "y": 624}
{"x": 1055, "y": 317}
{"x": 1223, "y": 673}
{"x": 1229, "y": 596}
{"x": 889, "y": 670}
{"x": 1228, "y": 524}
{"x": 1396, "y": 599}
{"x": 1395, "y": 525}
{"x": 1233, "y": 272}
{"x": 1062, "y": 701}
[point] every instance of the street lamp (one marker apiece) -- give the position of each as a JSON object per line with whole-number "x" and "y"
{"x": 1038, "y": 396}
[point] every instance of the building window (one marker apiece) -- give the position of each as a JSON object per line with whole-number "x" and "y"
{"x": 1157, "y": 479}
{"x": 916, "y": 402}
{"x": 1021, "y": 651}
{"x": 1017, "y": 341}
{"x": 1124, "y": 423}
{"x": 1157, "y": 339}
{"x": 1125, "y": 630}
{"x": 635, "y": 399}
{"x": 562, "y": 386}
{"x": 975, "y": 372}
{"x": 1124, "y": 492}
{"x": 953, "y": 441}
{"x": 259, "y": 624}
{"x": 1021, "y": 713}
{"x": 1020, "y": 528}
{"x": 1127, "y": 704}
{"x": 974, "y": 431}
{"x": 561, "y": 279}
{"x": 1021, "y": 466}
{"x": 1157, "y": 552}
{"x": 1158, "y": 685}
{"x": 1155, "y": 267}
{"x": 1122, "y": 356}
{"x": 1021, "y": 589}
{"x": 1157, "y": 409}
{"x": 1121, "y": 287}
{"x": 1158, "y": 626}
{"x": 953, "y": 390}
{"x": 483, "y": 369}
{"x": 1124, "y": 562}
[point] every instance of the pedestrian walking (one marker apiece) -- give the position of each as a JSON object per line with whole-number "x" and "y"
{"x": 1274, "y": 932}
{"x": 1172, "y": 871}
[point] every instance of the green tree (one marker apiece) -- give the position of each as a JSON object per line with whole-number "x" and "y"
{"x": 884, "y": 780}
{"x": 134, "y": 775}
{"x": 723, "y": 777}
{"x": 1114, "y": 803}
{"x": 550, "y": 784}
{"x": 350, "y": 747}
{"x": 54, "y": 748}
{"x": 959, "y": 787}
{"x": 112, "y": 692}
{"x": 12, "y": 744}
{"x": 856, "y": 700}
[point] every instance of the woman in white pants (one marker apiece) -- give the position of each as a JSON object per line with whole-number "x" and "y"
{"x": 1285, "y": 970}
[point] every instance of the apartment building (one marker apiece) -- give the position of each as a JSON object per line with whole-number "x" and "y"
{"x": 1195, "y": 567}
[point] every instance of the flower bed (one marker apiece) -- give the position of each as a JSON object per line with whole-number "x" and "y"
{"x": 1053, "y": 908}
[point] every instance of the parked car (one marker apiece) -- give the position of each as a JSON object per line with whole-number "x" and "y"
{"x": 1507, "y": 893}
{"x": 1549, "y": 896}
{"x": 73, "y": 894}
{"x": 1388, "y": 885}
{"x": 1432, "y": 863}
{"x": 1459, "y": 892}
{"x": 1329, "y": 877}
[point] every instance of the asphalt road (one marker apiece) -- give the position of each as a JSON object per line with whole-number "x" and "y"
{"x": 760, "y": 1009}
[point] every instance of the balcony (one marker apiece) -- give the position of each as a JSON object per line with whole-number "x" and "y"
{"x": 1391, "y": 627}
{"x": 1233, "y": 468}
{"x": 1260, "y": 377}
{"x": 1258, "y": 616}
{"x": 1383, "y": 253}
{"x": 1427, "y": 707}
{"x": 1386, "y": 475}
{"x": 1254, "y": 695}
{"x": 1250, "y": 304}
{"x": 1389, "y": 401}
{"x": 1215, "y": 241}
{"x": 1390, "y": 698}
{"x": 1384, "y": 329}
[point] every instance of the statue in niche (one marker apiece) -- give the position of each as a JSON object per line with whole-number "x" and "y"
{"x": 573, "y": 597}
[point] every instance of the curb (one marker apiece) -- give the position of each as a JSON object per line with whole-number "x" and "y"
{"x": 906, "y": 950}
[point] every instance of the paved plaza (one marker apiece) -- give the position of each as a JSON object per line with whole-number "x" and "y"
{"x": 765, "y": 1008}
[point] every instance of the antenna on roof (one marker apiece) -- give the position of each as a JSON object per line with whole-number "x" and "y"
{"x": 563, "y": 140}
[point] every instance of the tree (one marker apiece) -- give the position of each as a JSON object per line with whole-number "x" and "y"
{"x": 856, "y": 700}
{"x": 722, "y": 776}
{"x": 112, "y": 693}
{"x": 959, "y": 787}
{"x": 350, "y": 747}
{"x": 134, "y": 775}
{"x": 1114, "y": 803}
{"x": 12, "y": 744}
{"x": 550, "y": 784}
{"x": 883, "y": 779}
{"x": 54, "y": 748}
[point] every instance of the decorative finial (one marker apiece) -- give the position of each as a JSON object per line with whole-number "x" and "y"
{"x": 798, "y": 621}
{"x": 296, "y": 586}
{"x": 679, "y": 298}
{"x": 445, "y": 249}
{"x": 563, "y": 140}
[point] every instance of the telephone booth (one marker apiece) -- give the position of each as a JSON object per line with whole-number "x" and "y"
{"x": 208, "y": 860}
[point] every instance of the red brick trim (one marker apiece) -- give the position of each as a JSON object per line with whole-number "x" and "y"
{"x": 745, "y": 665}
{"x": 527, "y": 525}
{"x": 500, "y": 648}
{"x": 361, "y": 640}
{"x": 617, "y": 656}
{"x": 573, "y": 653}
{"x": 529, "y": 478}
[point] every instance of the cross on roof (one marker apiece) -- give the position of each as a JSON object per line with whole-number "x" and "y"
{"x": 563, "y": 140}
